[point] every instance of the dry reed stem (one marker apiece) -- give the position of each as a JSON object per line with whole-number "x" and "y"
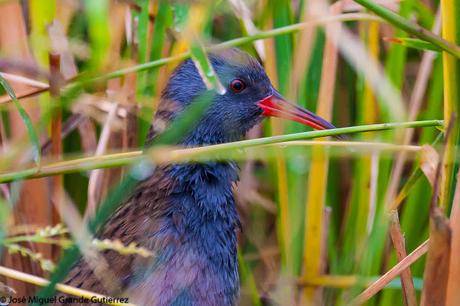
{"x": 15, "y": 78}
{"x": 350, "y": 5}
{"x": 116, "y": 92}
{"x": 453, "y": 293}
{"x": 409, "y": 294}
{"x": 68, "y": 126}
{"x": 60, "y": 45}
{"x": 14, "y": 41}
{"x": 87, "y": 131}
{"x": 303, "y": 48}
{"x": 22, "y": 94}
{"x": 437, "y": 265}
{"x": 379, "y": 284}
{"x": 96, "y": 176}
{"x": 132, "y": 107}
{"x": 428, "y": 163}
{"x": 57, "y": 182}
{"x": 82, "y": 237}
{"x": 323, "y": 259}
{"x": 123, "y": 92}
{"x": 39, "y": 281}
{"x": 243, "y": 12}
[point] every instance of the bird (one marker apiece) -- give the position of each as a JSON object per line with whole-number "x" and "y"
{"x": 185, "y": 214}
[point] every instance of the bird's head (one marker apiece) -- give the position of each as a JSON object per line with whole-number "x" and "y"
{"x": 249, "y": 97}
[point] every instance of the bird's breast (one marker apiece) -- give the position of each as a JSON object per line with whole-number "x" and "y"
{"x": 197, "y": 271}
{"x": 194, "y": 241}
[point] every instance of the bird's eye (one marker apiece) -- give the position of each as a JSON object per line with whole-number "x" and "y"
{"x": 237, "y": 85}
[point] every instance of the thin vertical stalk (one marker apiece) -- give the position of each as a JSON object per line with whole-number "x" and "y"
{"x": 450, "y": 75}
{"x": 450, "y": 28}
{"x": 317, "y": 180}
{"x": 453, "y": 294}
{"x": 410, "y": 298}
{"x": 283, "y": 52}
{"x": 248, "y": 277}
{"x": 57, "y": 182}
{"x": 365, "y": 204}
{"x": 380, "y": 283}
{"x": 99, "y": 33}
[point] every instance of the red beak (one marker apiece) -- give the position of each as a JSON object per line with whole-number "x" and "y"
{"x": 275, "y": 106}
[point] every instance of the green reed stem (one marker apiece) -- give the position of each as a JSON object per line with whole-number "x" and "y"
{"x": 123, "y": 159}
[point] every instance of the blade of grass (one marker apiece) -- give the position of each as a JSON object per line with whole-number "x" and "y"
{"x": 411, "y": 27}
{"x": 42, "y": 13}
{"x": 205, "y": 68}
{"x": 162, "y": 22}
{"x": 26, "y": 119}
{"x": 97, "y": 12}
{"x": 414, "y": 43}
{"x": 248, "y": 277}
{"x": 141, "y": 27}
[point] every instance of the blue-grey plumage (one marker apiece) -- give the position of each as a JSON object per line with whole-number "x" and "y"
{"x": 185, "y": 214}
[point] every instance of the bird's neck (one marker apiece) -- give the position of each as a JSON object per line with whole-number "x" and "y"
{"x": 204, "y": 216}
{"x": 208, "y": 188}
{"x": 209, "y": 133}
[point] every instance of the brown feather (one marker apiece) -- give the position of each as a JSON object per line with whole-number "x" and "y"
{"x": 130, "y": 222}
